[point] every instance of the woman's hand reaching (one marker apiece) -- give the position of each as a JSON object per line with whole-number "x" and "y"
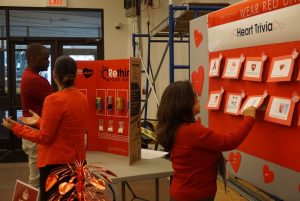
{"x": 7, "y": 122}
{"x": 250, "y": 111}
{"x": 30, "y": 121}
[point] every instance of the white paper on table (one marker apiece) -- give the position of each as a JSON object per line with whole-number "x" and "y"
{"x": 150, "y": 154}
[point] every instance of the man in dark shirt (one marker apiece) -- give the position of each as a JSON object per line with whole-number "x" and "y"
{"x": 34, "y": 89}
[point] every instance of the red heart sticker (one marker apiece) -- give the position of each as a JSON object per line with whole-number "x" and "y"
{"x": 281, "y": 108}
{"x": 197, "y": 80}
{"x": 87, "y": 72}
{"x": 253, "y": 66}
{"x": 235, "y": 161}
{"x": 198, "y": 37}
{"x": 268, "y": 174}
{"x": 281, "y": 66}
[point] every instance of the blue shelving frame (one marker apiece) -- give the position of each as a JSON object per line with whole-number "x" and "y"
{"x": 170, "y": 44}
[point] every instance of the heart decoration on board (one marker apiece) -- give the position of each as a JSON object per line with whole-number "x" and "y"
{"x": 235, "y": 161}
{"x": 268, "y": 174}
{"x": 281, "y": 107}
{"x": 198, "y": 37}
{"x": 197, "y": 80}
{"x": 87, "y": 72}
{"x": 253, "y": 66}
{"x": 281, "y": 66}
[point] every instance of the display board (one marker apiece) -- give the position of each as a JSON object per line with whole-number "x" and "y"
{"x": 256, "y": 45}
{"x": 113, "y": 91}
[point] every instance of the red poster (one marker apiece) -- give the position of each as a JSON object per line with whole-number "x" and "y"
{"x": 246, "y": 9}
{"x": 106, "y": 84}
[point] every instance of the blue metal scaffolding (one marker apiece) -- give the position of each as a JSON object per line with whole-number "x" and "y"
{"x": 180, "y": 37}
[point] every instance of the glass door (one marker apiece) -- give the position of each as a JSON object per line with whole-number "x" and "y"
{"x": 84, "y": 50}
{"x": 9, "y": 142}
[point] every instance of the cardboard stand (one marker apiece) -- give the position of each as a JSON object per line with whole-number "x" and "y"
{"x": 113, "y": 89}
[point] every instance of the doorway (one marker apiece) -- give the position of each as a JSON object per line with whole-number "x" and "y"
{"x": 78, "y": 49}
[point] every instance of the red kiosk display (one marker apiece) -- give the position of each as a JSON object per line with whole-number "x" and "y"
{"x": 266, "y": 34}
{"x": 113, "y": 91}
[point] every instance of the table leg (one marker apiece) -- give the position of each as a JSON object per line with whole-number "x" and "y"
{"x": 123, "y": 191}
{"x": 157, "y": 189}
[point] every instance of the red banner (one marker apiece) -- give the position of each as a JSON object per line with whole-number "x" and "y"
{"x": 246, "y": 9}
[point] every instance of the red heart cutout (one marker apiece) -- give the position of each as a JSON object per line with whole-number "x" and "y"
{"x": 281, "y": 108}
{"x": 235, "y": 161}
{"x": 87, "y": 72}
{"x": 281, "y": 66}
{"x": 197, "y": 80}
{"x": 268, "y": 174}
{"x": 253, "y": 66}
{"x": 198, "y": 37}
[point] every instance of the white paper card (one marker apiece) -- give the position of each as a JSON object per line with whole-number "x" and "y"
{"x": 232, "y": 68}
{"x": 233, "y": 104}
{"x": 214, "y": 67}
{"x": 214, "y": 100}
{"x": 252, "y": 101}
{"x": 253, "y": 69}
{"x": 280, "y": 108}
{"x": 281, "y": 68}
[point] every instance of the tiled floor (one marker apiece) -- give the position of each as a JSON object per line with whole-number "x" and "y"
{"x": 10, "y": 172}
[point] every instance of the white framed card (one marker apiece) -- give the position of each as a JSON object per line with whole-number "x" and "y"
{"x": 214, "y": 66}
{"x": 254, "y": 68}
{"x": 214, "y": 99}
{"x": 253, "y": 101}
{"x": 280, "y": 110}
{"x": 233, "y": 67}
{"x": 282, "y": 67}
{"x": 233, "y": 103}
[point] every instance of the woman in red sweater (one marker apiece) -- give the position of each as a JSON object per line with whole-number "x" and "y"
{"x": 62, "y": 125}
{"x": 194, "y": 149}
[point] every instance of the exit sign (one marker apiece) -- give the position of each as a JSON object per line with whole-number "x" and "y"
{"x": 56, "y": 3}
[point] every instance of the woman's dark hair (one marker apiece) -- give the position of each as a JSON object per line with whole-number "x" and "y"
{"x": 176, "y": 108}
{"x": 65, "y": 69}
